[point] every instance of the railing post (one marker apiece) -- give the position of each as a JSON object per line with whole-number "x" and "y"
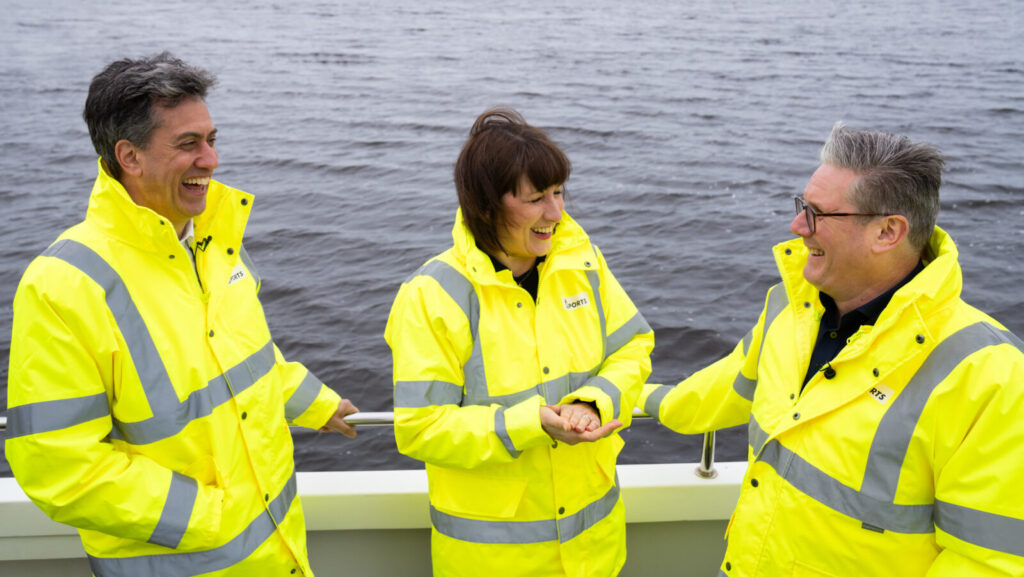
{"x": 706, "y": 468}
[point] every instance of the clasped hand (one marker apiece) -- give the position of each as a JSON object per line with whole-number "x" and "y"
{"x": 575, "y": 423}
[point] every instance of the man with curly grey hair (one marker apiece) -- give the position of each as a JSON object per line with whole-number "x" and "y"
{"x": 148, "y": 403}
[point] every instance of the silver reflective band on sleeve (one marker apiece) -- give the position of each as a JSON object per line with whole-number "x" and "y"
{"x": 622, "y": 335}
{"x": 303, "y": 396}
{"x": 988, "y": 530}
{"x": 46, "y": 416}
{"x": 744, "y": 387}
{"x": 652, "y": 406}
{"x": 169, "y": 420}
{"x": 522, "y": 532}
{"x": 609, "y": 389}
{"x": 777, "y": 301}
{"x": 502, "y": 432}
{"x": 818, "y": 485}
{"x": 748, "y": 339}
{"x": 895, "y": 431}
{"x": 181, "y": 499}
{"x": 198, "y": 562}
{"x": 419, "y": 394}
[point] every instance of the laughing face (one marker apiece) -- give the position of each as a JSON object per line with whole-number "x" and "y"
{"x": 530, "y": 217}
{"x": 839, "y": 251}
{"x": 171, "y": 174}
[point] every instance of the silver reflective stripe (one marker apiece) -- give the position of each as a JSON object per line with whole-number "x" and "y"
{"x": 169, "y": 420}
{"x": 502, "y": 432}
{"x": 418, "y": 394}
{"x": 989, "y": 530}
{"x": 777, "y": 301}
{"x": 46, "y": 416}
{"x": 633, "y": 327}
{"x": 303, "y": 396}
{"x": 195, "y": 563}
{"x": 652, "y": 406}
{"x": 522, "y": 532}
{"x": 170, "y": 416}
{"x": 609, "y": 389}
{"x": 744, "y": 387}
{"x": 747, "y": 340}
{"x": 756, "y": 436}
{"x": 460, "y": 290}
{"x": 889, "y": 448}
{"x": 475, "y": 390}
{"x": 247, "y": 261}
{"x": 818, "y": 485}
{"x": 595, "y": 287}
{"x": 181, "y": 499}
{"x": 574, "y": 525}
{"x": 155, "y": 381}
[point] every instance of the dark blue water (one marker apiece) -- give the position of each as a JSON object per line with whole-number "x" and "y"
{"x": 690, "y": 126}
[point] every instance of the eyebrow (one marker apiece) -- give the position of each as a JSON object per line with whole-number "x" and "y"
{"x": 187, "y": 135}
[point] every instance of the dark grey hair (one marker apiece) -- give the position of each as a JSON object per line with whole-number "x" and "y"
{"x": 121, "y": 99}
{"x": 897, "y": 176}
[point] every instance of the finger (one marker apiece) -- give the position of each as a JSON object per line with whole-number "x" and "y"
{"x": 603, "y": 431}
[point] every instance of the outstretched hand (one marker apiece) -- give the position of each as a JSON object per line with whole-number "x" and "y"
{"x": 567, "y": 423}
{"x": 337, "y": 424}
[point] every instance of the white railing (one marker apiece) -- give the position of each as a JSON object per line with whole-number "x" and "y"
{"x": 705, "y": 468}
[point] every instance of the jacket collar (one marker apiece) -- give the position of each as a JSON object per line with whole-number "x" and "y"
{"x": 117, "y": 215}
{"x": 568, "y": 236}
{"x": 940, "y": 282}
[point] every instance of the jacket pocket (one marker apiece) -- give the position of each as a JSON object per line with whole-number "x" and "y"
{"x": 470, "y": 494}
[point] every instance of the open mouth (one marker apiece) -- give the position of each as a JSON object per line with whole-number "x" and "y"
{"x": 196, "y": 184}
{"x": 545, "y": 231}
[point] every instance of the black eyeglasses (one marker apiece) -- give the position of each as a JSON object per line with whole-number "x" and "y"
{"x": 813, "y": 215}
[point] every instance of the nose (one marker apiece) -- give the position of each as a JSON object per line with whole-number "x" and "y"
{"x": 799, "y": 225}
{"x": 553, "y": 207}
{"x": 208, "y": 157}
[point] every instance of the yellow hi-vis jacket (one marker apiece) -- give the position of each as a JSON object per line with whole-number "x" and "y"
{"x": 906, "y": 458}
{"x": 474, "y": 360}
{"x": 148, "y": 405}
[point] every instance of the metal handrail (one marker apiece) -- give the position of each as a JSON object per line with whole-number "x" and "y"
{"x": 705, "y": 469}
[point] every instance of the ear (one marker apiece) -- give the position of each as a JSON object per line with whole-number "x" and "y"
{"x": 128, "y": 157}
{"x": 890, "y": 233}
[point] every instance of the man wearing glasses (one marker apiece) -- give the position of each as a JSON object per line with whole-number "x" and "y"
{"x": 885, "y": 415}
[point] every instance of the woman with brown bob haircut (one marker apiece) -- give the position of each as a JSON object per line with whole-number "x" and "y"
{"x": 517, "y": 358}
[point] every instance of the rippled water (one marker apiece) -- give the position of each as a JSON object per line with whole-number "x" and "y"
{"x": 690, "y": 125}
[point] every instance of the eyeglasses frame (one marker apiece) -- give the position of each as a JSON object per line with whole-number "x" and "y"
{"x": 812, "y": 215}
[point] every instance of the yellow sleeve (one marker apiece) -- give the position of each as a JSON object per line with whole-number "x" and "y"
{"x": 63, "y": 368}
{"x": 430, "y": 341}
{"x": 719, "y": 395}
{"x": 979, "y": 510}
{"x": 308, "y": 401}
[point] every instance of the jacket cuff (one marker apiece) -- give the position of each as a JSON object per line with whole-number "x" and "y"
{"x": 522, "y": 425}
{"x": 601, "y": 392}
{"x": 321, "y": 409}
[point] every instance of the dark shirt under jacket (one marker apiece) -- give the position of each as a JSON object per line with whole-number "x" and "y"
{"x": 834, "y": 331}
{"x": 528, "y": 280}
